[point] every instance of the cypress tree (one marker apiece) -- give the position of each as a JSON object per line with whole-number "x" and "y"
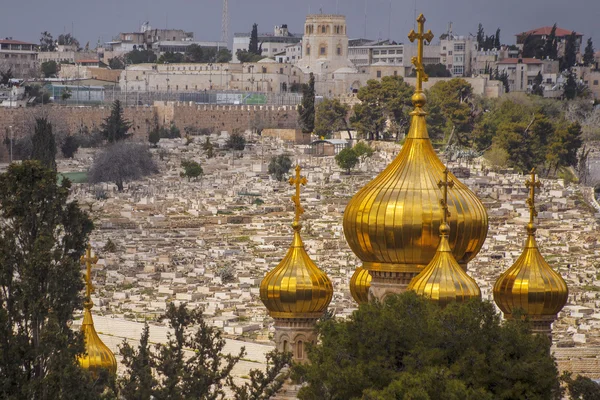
{"x": 115, "y": 126}
{"x": 588, "y": 55}
{"x": 497, "y": 39}
{"x": 306, "y": 110}
{"x": 550, "y": 49}
{"x": 43, "y": 144}
{"x": 570, "y": 57}
{"x": 253, "y": 47}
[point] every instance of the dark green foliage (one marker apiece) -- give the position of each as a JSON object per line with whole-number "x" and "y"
{"x": 264, "y": 385}
{"x": 154, "y": 137}
{"x": 588, "y": 54}
{"x": 246, "y": 56}
{"x": 49, "y": 68}
{"x": 171, "y": 58}
{"x": 253, "y": 47}
{"x": 42, "y": 236}
{"x": 331, "y": 115}
{"x": 223, "y": 56}
{"x": 497, "y": 42}
{"x": 116, "y": 63}
{"x": 570, "y": 87}
{"x": 140, "y": 56}
{"x": 388, "y": 98}
{"x": 68, "y": 40}
{"x": 581, "y": 388}
{"x": 347, "y": 159}
{"x": 533, "y": 47}
{"x": 279, "y": 166}
{"x": 449, "y": 106}
{"x": 43, "y": 144}
{"x": 437, "y": 71}
{"x": 208, "y": 148}
{"x": 40, "y": 95}
{"x": 407, "y": 347}
{"x": 69, "y": 146}
{"x": 480, "y": 35}
{"x": 236, "y": 142}
{"x": 537, "y": 88}
{"x": 363, "y": 151}
{"x": 122, "y": 162}
{"x": 115, "y": 126}
{"x": 551, "y": 45}
{"x": 6, "y": 76}
{"x": 137, "y": 382}
{"x": 192, "y": 169}
{"x": 47, "y": 42}
{"x": 570, "y": 58}
{"x": 502, "y": 77}
{"x": 306, "y": 110}
{"x": 194, "y": 53}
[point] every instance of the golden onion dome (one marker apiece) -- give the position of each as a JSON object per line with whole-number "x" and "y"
{"x": 296, "y": 288}
{"x": 359, "y": 285}
{"x": 97, "y": 355}
{"x": 392, "y": 223}
{"x": 531, "y": 284}
{"x": 443, "y": 280}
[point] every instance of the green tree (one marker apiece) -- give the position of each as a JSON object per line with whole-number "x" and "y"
{"x": 407, "y": 345}
{"x": 480, "y": 36}
{"x": 42, "y": 236}
{"x": 69, "y": 146}
{"x": 68, "y": 40}
{"x": 363, "y": 151}
{"x": 497, "y": 42}
{"x": 49, "y": 68}
{"x": 264, "y": 385}
{"x": 382, "y": 100}
{"x": 253, "y": 46}
{"x": 137, "y": 382}
{"x": 581, "y": 388}
{"x": 236, "y": 142}
{"x": 550, "y": 45}
{"x": 533, "y": 47}
{"x": 6, "y": 76}
{"x": 116, "y": 63}
{"x": 570, "y": 86}
{"x": 122, "y": 162}
{"x": 223, "y": 56}
{"x": 154, "y": 137}
{"x": 47, "y": 42}
{"x": 570, "y": 58}
{"x": 331, "y": 116}
{"x": 537, "y": 88}
{"x": 170, "y": 57}
{"x": 588, "y": 54}
{"x": 347, "y": 159}
{"x": 191, "y": 170}
{"x": 246, "y": 56}
{"x": 140, "y": 56}
{"x": 208, "y": 148}
{"x": 115, "y": 126}
{"x": 449, "y": 106}
{"x": 44, "y": 144}
{"x": 306, "y": 110}
{"x": 194, "y": 53}
{"x": 279, "y": 166}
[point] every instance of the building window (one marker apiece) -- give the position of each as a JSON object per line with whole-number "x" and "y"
{"x": 323, "y": 29}
{"x": 323, "y": 50}
{"x": 458, "y": 70}
{"x": 395, "y": 73}
{"x": 300, "y": 350}
{"x": 596, "y": 82}
{"x": 308, "y": 50}
{"x": 264, "y": 70}
{"x": 379, "y": 74}
{"x": 339, "y": 51}
{"x": 459, "y": 47}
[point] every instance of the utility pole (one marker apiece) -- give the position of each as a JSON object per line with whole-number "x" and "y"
{"x": 11, "y": 143}
{"x": 225, "y": 23}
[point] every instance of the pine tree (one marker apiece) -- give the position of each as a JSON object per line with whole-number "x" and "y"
{"x": 497, "y": 39}
{"x": 588, "y": 55}
{"x": 42, "y": 236}
{"x": 253, "y": 47}
{"x": 115, "y": 126}
{"x": 537, "y": 88}
{"x": 550, "y": 47}
{"x": 306, "y": 110}
{"x": 43, "y": 144}
{"x": 208, "y": 148}
{"x": 480, "y": 36}
{"x": 570, "y": 57}
{"x": 570, "y": 88}
{"x": 138, "y": 382}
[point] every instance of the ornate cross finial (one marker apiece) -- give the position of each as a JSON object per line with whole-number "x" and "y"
{"x": 88, "y": 261}
{"x": 532, "y": 185}
{"x": 421, "y": 37}
{"x": 297, "y": 181}
{"x": 445, "y": 184}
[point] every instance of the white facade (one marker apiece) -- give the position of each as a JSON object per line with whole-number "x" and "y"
{"x": 271, "y": 43}
{"x": 456, "y": 54}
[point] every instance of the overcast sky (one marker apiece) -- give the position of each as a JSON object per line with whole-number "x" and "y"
{"x": 93, "y": 20}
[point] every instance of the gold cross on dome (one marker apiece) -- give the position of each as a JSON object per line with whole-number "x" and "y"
{"x": 532, "y": 185}
{"x": 88, "y": 261}
{"x": 421, "y": 37}
{"x": 445, "y": 184}
{"x": 297, "y": 181}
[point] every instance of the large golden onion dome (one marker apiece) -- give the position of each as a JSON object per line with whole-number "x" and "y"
{"x": 531, "y": 285}
{"x": 392, "y": 223}
{"x": 296, "y": 288}
{"x": 359, "y": 285}
{"x": 443, "y": 280}
{"x": 97, "y": 355}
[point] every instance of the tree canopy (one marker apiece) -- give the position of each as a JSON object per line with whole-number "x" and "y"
{"x": 409, "y": 348}
{"x": 347, "y": 159}
{"x": 49, "y": 68}
{"x": 115, "y": 127}
{"x": 279, "y": 166}
{"x": 44, "y": 144}
{"x": 331, "y": 116}
{"x": 140, "y": 56}
{"x": 253, "y": 47}
{"x": 588, "y": 54}
{"x": 449, "y": 104}
{"x": 306, "y": 110}
{"x": 236, "y": 142}
{"x": 42, "y": 236}
{"x": 191, "y": 169}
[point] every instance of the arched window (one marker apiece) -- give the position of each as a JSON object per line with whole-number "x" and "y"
{"x": 308, "y": 50}
{"x": 300, "y": 350}
{"x": 323, "y": 29}
{"x": 285, "y": 346}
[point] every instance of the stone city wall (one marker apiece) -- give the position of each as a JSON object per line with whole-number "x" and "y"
{"x": 213, "y": 117}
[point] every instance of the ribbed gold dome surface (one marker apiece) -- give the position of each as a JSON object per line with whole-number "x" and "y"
{"x": 392, "y": 223}
{"x": 359, "y": 285}
{"x": 97, "y": 355}
{"x": 531, "y": 284}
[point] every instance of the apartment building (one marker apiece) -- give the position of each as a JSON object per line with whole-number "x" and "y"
{"x": 21, "y": 57}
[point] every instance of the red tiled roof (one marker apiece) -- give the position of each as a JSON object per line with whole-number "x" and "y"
{"x": 10, "y": 41}
{"x": 545, "y": 31}
{"x": 88, "y": 61}
{"x": 523, "y": 61}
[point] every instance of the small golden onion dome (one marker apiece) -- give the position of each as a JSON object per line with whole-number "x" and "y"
{"x": 359, "y": 285}
{"x": 296, "y": 288}
{"x": 97, "y": 355}
{"x": 443, "y": 280}
{"x": 531, "y": 284}
{"x": 392, "y": 223}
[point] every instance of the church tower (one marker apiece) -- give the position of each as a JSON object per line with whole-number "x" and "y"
{"x": 296, "y": 292}
{"x": 531, "y": 286}
{"x": 392, "y": 224}
{"x": 97, "y": 355}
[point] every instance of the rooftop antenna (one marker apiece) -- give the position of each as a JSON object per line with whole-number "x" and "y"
{"x": 390, "y": 23}
{"x": 365, "y": 19}
{"x": 225, "y": 23}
